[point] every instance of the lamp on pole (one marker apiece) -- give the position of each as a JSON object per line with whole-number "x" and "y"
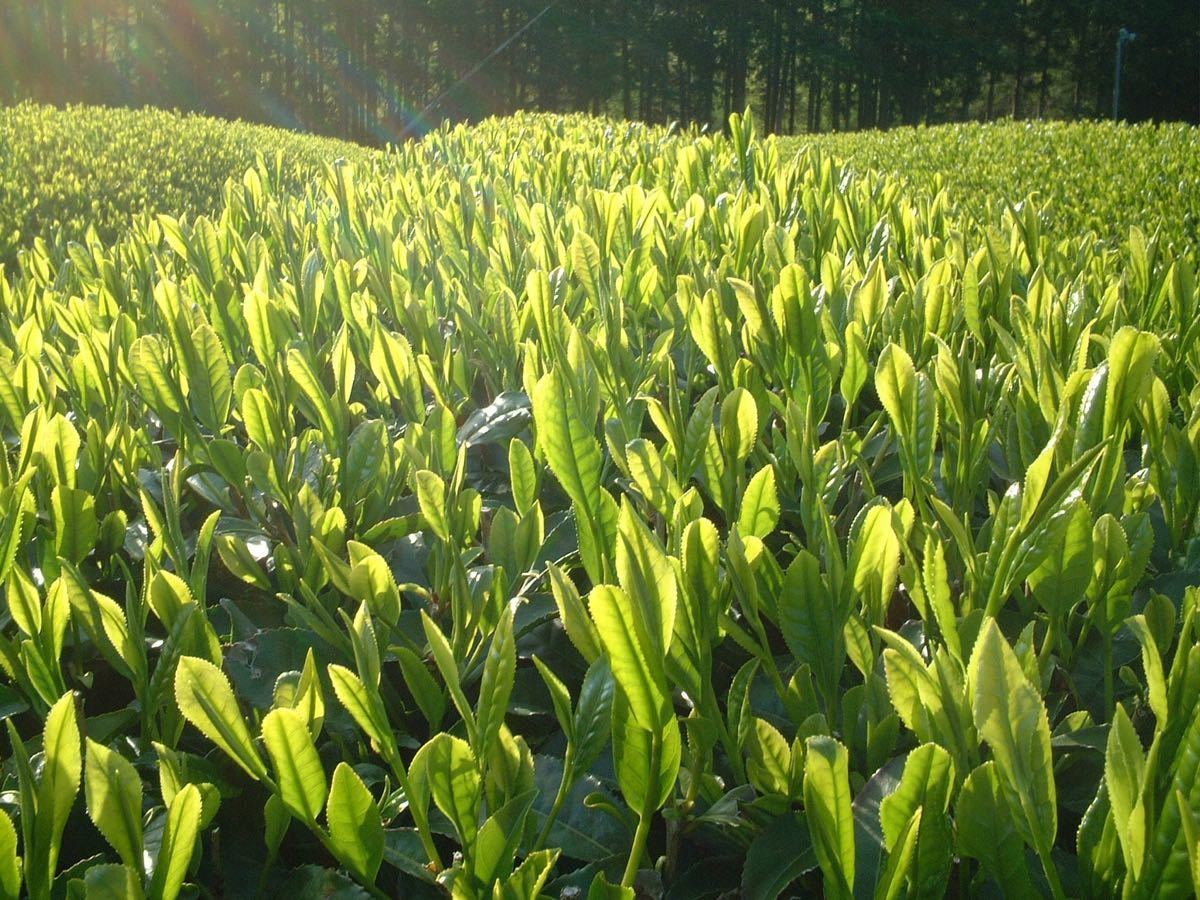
{"x": 1124, "y": 36}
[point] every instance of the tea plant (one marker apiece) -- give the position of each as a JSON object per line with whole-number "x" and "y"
{"x": 560, "y": 506}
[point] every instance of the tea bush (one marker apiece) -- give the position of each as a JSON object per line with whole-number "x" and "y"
{"x": 1084, "y": 176}
{"x": 562, "y": 507}
{"x": 63, "y": 171}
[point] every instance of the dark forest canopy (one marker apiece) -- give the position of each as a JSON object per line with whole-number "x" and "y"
{"x": 365, "y": 69}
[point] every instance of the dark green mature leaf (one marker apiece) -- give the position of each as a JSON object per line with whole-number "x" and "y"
{"x": 112, "y": 882}
{"x": 987, "y": 832}
{"x": 778, "y": 856}
{"x": 315, "y": 881}
{"x": 581, "y": 831}
{"x": 498, "y": 422}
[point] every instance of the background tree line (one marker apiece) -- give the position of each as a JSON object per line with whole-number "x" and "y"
{"x": 363, "y": 69}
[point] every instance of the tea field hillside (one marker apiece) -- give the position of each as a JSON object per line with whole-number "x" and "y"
{"x": 561, "y": 507}
{"x": 1084, "y": 176}
{"x": 65, "y": 171}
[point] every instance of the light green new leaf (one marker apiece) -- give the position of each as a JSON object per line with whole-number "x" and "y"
{"x": 585, "y": 261}
{"x": 353, "y": 696}
{"x": 355, "y": 827}
{"x": 739, "y": 425}
{"x": 529, "y": 878}
{"x": 421, "y": 684}
{"x": 1131, "y": 356}
{"x": 896, "y": 385}
{"x": 330, "y": 413}
{"x": 573, "y": 453}
{"x": 298, "y": 769}
{"x": 59, "y": 782}
{"x": 114, "y": 801}
{"x": 453, "y": 780}
{"x": 1124, "y": 771}
{"x": 830, "y": 818}
{"x": 277, "y": 819}
{"x": 875, "y": 562}
{"x": 1061, "y": 579}
{"x": 495, "y": 687}
{"x": 560, "y": 698}
{"x": 1152, "y": 666}
{"x": 603, "y": 889}
{"x": 206, "y": 700}
{"x": 522, "y": 475}
{"x": 1191, "y": 837}
{"x": 10, "y": 863}
{"x": 647, "y": 762}
{"x": 1009, "y": 714}
{"x": 261, "y": 420}
{"x": 760, "y": 505}
{"x": 639, "y": 675}
{"x": 936, "y": 582}
{"x": 924, "y": 791}
{"x": 813, "y": 623}
{"x": 652, "y": 476}
{"x": 372, "y": 582}
{"x": 927, "y": 781}
{"x": 159, "y": 388}
{"x": 431, "y": 495}
{"x": 178, "y": 844}
{"x": 210, "y": 389}
{"x": 569, "y": 442}
{"x": 573, "y": 614}
{"x": 75, "y": 525}
{"x": 908, "y": 397}
{"x": 593, "y": 713}
{"x": 443, "y": 657}
{"x": 770, "y": 759}
{"x": 854, "y": 369}
{"x": 646, "y": 576}
{"x": 896, "y": 875}
{"x": 1167, "y": 870}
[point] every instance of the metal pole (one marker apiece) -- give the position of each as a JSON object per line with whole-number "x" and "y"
{"x": 1124, "y": 36}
